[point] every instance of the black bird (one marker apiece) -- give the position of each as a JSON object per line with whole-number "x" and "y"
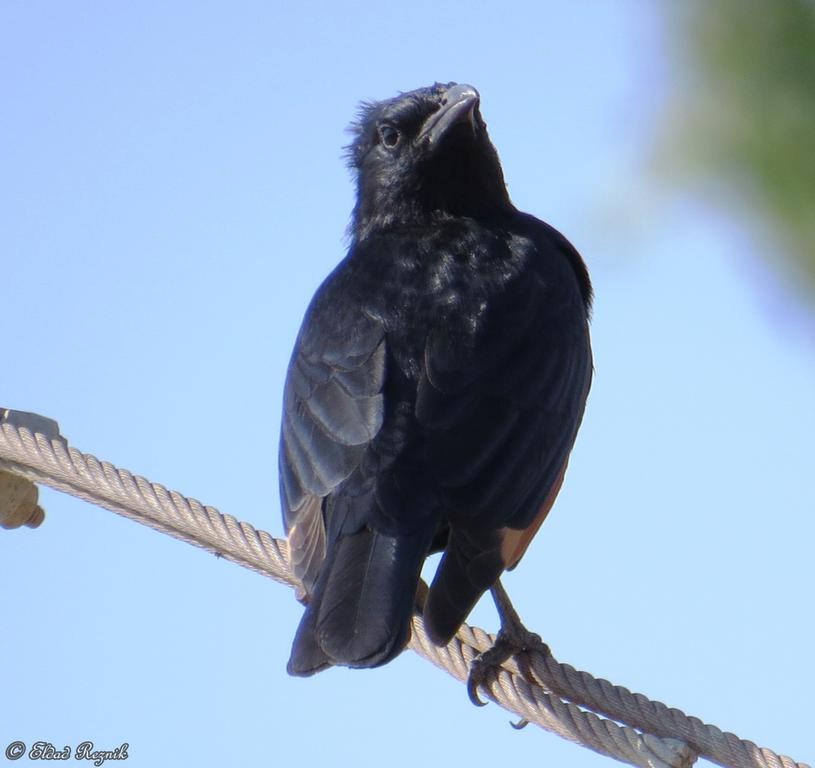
{"x": 434, "y": 392}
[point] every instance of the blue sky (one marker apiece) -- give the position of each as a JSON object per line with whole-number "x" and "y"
{"x": 172, "y": 192}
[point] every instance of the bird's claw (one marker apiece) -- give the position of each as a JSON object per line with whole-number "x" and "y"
{"x": 506, "y": 646}
{"x": 481, "y": 666}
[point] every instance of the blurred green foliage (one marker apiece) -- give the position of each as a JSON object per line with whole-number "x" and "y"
{"x": 751, "y": 109}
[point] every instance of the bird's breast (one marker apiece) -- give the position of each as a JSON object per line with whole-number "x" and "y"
{"x": 417, "y": 280}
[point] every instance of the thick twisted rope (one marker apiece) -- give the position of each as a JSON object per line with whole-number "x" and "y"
{"x": 536, "y": 687}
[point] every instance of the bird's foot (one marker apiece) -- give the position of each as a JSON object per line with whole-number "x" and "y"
{"x": 511, "y": 641}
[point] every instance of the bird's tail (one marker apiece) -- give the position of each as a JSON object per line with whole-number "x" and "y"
{"x": 471, "y": 564}
{"x": 359, "y": 615}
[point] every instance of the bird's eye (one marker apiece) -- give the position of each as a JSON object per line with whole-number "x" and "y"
{"x": 388, "y": 135}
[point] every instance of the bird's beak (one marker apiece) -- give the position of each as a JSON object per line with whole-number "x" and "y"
{"x": 460, "y": 104}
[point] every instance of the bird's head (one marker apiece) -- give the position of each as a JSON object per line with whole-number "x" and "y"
{"x": 422, "y": 156}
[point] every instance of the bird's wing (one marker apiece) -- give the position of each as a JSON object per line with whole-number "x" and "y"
{"x": 332, "y": 408}
{"x": 502, "y": 406}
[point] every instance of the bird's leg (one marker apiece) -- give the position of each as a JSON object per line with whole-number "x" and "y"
{"x": 513, "y": 638}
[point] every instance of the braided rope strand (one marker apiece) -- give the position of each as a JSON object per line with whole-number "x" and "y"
{"x": 552, "y": 695}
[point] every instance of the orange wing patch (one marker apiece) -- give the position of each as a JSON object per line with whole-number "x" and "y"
{"x": 514, "y": 543}
{"x": 307, "y": 545}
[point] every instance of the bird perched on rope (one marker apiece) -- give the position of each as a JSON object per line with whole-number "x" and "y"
{"x": 434, "y": 393}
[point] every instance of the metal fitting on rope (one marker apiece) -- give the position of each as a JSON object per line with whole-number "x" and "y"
{"x": 19, "y": 496}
